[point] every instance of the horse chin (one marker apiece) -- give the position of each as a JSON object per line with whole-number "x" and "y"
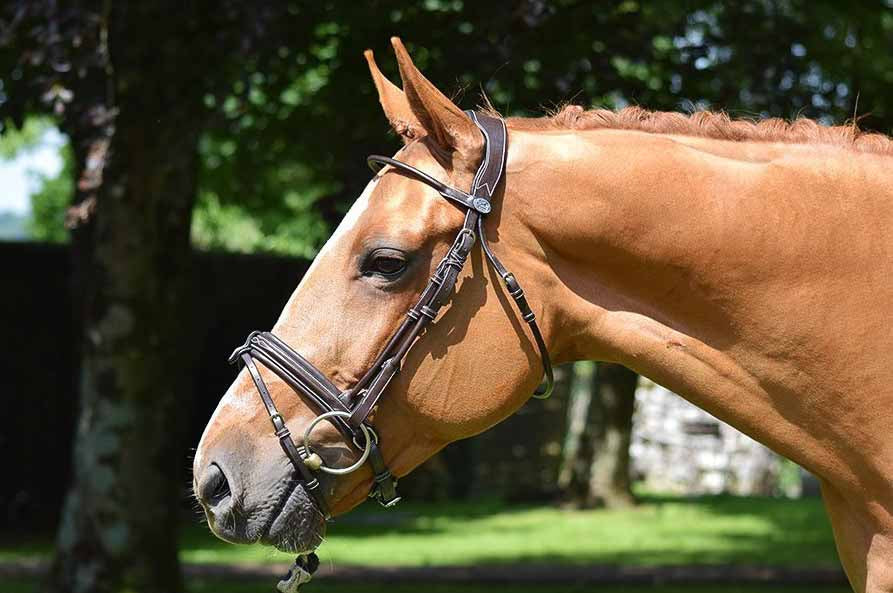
{"x": 295, "y": 525}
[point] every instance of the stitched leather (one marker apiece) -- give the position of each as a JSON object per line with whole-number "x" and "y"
{"x": 359, "y": 401}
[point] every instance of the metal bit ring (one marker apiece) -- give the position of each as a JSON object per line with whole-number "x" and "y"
{"x": 335, "y": 470}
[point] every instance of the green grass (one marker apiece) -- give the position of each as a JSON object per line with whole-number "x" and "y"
{"x": 320, "y": 586}
{"x": 661, "y": 531}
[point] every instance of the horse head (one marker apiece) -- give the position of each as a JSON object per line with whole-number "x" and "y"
{"x": 464, "y": 367}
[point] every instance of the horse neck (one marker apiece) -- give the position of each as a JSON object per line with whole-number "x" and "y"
{"x": 716, "y": 270}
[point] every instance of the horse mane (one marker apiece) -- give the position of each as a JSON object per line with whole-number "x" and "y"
{"x": 709, "y": 124}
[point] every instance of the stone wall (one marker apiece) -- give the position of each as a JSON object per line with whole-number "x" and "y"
{"x": 677, "y": 447}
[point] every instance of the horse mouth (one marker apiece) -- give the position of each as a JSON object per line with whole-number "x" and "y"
{"x": 295, "y": 524}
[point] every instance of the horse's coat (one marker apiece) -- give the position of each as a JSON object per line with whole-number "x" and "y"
{"x": 750, "y": 275}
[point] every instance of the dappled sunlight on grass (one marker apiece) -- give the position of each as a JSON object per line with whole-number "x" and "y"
{"x": 323, "y": 586}
{"x": 661, "y": 531}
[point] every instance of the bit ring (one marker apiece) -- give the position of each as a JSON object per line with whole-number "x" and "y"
{"x": 338, "y": 471}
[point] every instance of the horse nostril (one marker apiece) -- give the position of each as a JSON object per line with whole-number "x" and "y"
{"x": 214, "y": 487}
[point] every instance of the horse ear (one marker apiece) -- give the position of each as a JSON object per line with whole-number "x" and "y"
{"x": 394, "y": 103}
{"x": 444, "y": 122}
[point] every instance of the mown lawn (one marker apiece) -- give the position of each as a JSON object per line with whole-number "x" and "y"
{"x": 320, "y": 586}
{"x": 661, "y": 531}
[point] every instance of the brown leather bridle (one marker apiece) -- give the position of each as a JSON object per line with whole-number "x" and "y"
{"x": 348, "y": 411}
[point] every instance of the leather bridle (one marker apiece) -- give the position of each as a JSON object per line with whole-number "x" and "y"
{"x": 348, "y": 411}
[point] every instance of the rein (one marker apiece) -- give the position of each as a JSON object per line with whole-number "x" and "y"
{"x": 348, "y": 411}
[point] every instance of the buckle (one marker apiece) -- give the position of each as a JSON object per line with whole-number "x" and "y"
{"x": 390, "y": 503}
{"x": 378, "y": 497}
{"x": 279, "y": 426}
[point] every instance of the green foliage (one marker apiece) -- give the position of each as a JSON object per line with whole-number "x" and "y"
{"x": 284, "y": 218}
{"x": 50, "y": 203}
{"x": 15, "y": 141}
{"x": 313, "y": 104}
{"x": 295, "y": 113}
{"x": 230, "y": 227}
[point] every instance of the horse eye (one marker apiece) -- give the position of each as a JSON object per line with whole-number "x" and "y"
{"x": 388, "y": 266}
{"x": 388, "y": 263}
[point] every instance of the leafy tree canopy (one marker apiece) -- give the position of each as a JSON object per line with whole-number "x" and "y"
{"x": 14, "y": 141}
{"x": 50, "y": 201}
{"x": 282, "y": 155}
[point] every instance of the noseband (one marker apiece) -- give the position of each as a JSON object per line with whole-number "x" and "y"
{"x": 348, "y": 411}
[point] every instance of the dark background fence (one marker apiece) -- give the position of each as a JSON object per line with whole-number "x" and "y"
{"x": 234, "y": 294}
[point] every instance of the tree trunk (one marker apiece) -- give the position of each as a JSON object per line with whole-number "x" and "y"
{"x": 595, "y": 469}
{"x": 137, "y": 159}
{"x": 614, "y": 388}
{"x": 577, "y": 450}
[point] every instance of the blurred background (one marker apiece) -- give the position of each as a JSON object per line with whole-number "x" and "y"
{"x": 169, "y": 169}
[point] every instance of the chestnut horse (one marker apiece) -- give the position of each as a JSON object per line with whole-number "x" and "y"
{"x": 748, "y": 267}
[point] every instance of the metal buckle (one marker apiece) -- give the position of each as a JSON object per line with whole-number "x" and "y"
{"x": 279, "y": 426}
{"x": 390, "y": 503}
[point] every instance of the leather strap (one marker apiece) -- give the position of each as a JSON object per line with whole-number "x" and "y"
{"x": 309, "y": 481}
{"x": 359, "y": 402}
{"x": 484, "y": 185}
